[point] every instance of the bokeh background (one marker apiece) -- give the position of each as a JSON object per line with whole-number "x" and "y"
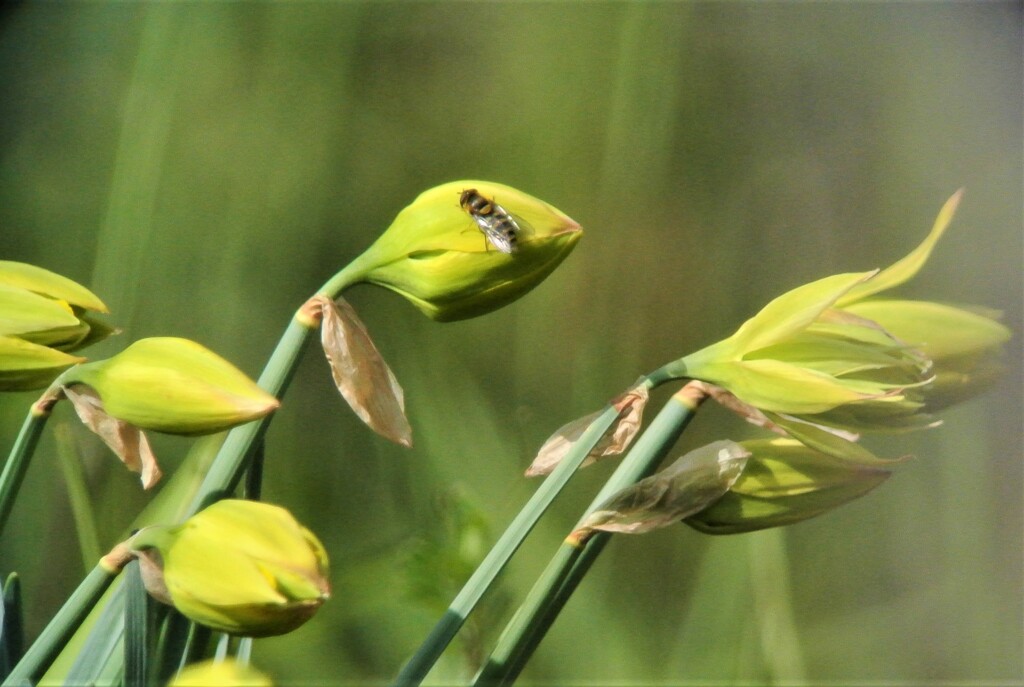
{"x": 204, "y": 167}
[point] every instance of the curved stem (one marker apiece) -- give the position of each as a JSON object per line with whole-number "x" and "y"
{"x": 571, "y": 562}
{"x": 20, "y": 456}
{"x": 446, "y": 628}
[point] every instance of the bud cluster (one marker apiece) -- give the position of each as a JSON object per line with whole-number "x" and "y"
{"x": 44, "y": 317}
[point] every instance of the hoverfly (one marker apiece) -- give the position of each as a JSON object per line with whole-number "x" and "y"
{"x": 493, "y": 220}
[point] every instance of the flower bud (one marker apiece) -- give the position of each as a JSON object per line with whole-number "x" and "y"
{"x": 25, "y": 366}
{"x": 241, "y": 567}
{"x": 175, "y": 386}
{"x": 224, "y": 673}
{"x": 435, "y": 255}
{"x": 783, "y": 482}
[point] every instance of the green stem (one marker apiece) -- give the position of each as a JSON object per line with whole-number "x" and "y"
{"x": 571, "y": 562}
{"x": 222, "y": 477}
{"x": 53, "y": 638}
{"x": 446, "y": 628}
{"x": 237, "y": 449}
{"x": 21, "y": 455}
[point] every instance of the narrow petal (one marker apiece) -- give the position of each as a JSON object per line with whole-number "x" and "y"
{"x": 126, "y": 441}
{"x": 777, "y": 386}
{"x": 902, "y": 270}
{"x": 937, "y": 329}
{"x": 361, "y": 374}
{"x": 793, "y": 311}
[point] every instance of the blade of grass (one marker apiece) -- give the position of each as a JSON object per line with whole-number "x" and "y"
{"x": 141, "y": 616}
{"x": 12, "y": 632}
{"x": 78, "y": 496}
{"x": 569, "y": 564}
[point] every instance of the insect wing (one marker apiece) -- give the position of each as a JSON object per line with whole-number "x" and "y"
{"x": 497, "y": 232}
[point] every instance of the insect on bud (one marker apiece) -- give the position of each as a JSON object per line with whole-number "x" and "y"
{"x": 466, "y": 248}
{"x": 241, "y": 567}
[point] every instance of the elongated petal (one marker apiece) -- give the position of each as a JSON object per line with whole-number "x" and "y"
{"x": 937, "y": 329}
{"x": 126, "y": 441}
{"x": 360, "y": 373}
{"x": 25, "y": 365}
{"x": 905, "y": 268}
{"x": 617, "y": 439}
{"x": 36, "y": 318}
{"x": 687, "y": 486}
{"x": 782, "y": 387}
{"x": 47, "y": 283}
{"x": 793, "y": 311}
{"x": 828, "y": 441}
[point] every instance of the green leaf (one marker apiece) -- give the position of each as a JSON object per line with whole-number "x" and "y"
{"x": 12, "y": 631}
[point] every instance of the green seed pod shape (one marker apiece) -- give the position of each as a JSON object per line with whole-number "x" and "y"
{"x": 175, "y": 386}
{"x": 435, "y": 255}
{"x": 242, "y": 567}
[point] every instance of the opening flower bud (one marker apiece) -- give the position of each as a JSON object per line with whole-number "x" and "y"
{"x": 783, "y": 482}
{"x": 241, "y": 567}
{"x": 175, "y": 386}
{"x": 441, "y": 252}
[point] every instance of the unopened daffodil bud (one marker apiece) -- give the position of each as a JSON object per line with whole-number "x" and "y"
{"x": 241, "y": 567}
{"x": 783, "y": 482}
{"x": 224, "y": 673}
{"x": 438, "y": 254}
{"x": 173, "y": 385}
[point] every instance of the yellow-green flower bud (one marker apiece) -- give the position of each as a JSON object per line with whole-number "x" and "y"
{"x": 436, "y": 254}
{"x": 223, "y": 673}
{"x": 783, "y": 482}
{"x": 49, "y": 284}
{"x": 175, "y": 386}
{"x": 25, "y": 366}
{"x": 242, "y": 567}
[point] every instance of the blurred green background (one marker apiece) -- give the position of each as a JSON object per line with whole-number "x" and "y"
{"x": 204, "y": 167}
